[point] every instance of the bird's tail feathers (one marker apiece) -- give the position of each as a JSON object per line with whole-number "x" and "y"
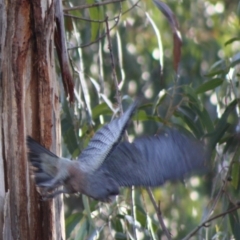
{"x": 49, "y": 170}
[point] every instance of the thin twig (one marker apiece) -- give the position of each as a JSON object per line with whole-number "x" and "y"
{"x": 116, "y": 19}
{"x": 204, "y": 224}
{"x": 102, "y": 21}
{"x": 159, "y": 214}
{"x": 92, "y": 5}
{"x": 170, "y": 109}
{"x": 221, "y": 191}
{"x": 83, "y": 19}
{"x": 90, "y": 20}
{"x": 118, "y": 95}
{"x": 98, "y": 39}
{"x": 119, "y": 102}
{"x": 61, "y": 47}
{"x": 133, "y": 6}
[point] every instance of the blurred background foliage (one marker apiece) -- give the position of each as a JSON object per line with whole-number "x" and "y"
{"x": 201, "y": 96}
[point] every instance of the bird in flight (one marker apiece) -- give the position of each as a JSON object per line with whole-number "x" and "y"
{"x": 109, "y": 163}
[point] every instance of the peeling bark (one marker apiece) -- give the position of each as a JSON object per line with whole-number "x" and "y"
{"x": 60, "y": 43}
{"x": 29, "y": 106}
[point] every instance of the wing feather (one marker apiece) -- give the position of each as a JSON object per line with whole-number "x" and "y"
{"x": 104, "y": 141}
{"x": 151, "y": 161}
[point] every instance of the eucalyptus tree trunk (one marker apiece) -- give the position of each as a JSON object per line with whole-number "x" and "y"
{"x": 29, "y": 105}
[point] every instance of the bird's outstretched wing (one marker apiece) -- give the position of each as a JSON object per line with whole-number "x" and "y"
{"x": 104, "y": 141}
{"x": 151, "y": 161}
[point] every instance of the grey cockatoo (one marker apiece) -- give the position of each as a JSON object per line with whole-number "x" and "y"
{"x": 109, "y": 163}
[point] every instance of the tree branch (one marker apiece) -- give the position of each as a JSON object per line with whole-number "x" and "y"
{"x": 92, "y": 5}
{"x": 159, "y": 214}
{"x": 204, "y": 224}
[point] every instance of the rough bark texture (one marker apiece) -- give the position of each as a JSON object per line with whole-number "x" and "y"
{"x": 29, "y": 105}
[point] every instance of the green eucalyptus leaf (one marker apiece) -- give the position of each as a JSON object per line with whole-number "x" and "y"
{"x": 69, "y": 131}
{"x": 83, "y": 229}
{"x": 234, "y": 222}
{"x": 209, "y": 85}
{"x": 101, "y": 109}
{"x": 96, "y": 13}
{"x": 236, "y": 169}
{"x": 142, "y": 116}
{"x": 71, "y": 222}
{"x": 232, "y": 40}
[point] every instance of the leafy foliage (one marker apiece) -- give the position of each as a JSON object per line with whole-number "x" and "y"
{"x": 194, "y": 87}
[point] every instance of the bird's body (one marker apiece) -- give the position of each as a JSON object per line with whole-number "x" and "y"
{"x": 109, "y": 163}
